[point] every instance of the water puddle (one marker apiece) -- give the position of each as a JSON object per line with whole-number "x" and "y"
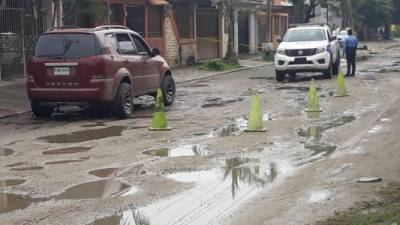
{"x": 67, "y": 161}
{"x": 219, "y": 102}
{"x": 97, "y": 124}
{"x": 185, "y": 150}
{"x": 107, "y": 172}
{"x": 98, "y": 189}
{"x": 215, "y": 193}
{"x": 232, "y": 129}
{"x": 11, "y": 202}
{"x": 6, "y": 152}
{"x": 295, "y": 88}
{"x": 133, "y": 217}
{"x": 19, "y": 169}
{"x": 322, "y": 149}
{"x": 11, "y": 182}
{"x": 68, "y": 150}
{"x": 86, "y": 135}
{"x": 16, "y": 164}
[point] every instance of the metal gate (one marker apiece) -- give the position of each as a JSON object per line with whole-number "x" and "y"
{"x": 19, "y": 29}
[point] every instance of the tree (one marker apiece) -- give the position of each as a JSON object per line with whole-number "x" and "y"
{"x": 229, "y": 9}
{"x": 84, "y": 12}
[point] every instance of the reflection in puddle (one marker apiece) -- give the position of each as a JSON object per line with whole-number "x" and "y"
{"x": 232, "y": 129}
{"x": 67, "y": 150}
{"x": 27, "y": 168}
{"x": 67, "y": 161}
{"x": 11, "y": 182}
{"x": 86, "y": 135}
{"x": 185, "y": 150}
{"x": 10, "y": 202}
{"x": 107, "y": 172}
{"x": 126, "y": 218}
{"x": 6, "y": 152}
{"x": 215, "y": 193}
{"x": 97, "y": 189}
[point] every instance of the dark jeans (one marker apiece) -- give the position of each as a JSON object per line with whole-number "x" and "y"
{"x": 351, "y": 61}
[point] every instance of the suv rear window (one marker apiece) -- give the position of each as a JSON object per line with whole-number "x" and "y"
{"x": 66, "y": 46}
{"x": 305, "y": 35}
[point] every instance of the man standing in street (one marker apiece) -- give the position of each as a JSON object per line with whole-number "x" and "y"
{"x": 350, "y": 49}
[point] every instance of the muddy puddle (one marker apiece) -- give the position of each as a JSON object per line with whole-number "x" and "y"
{"x": 129, "y": 217}
{"x": 29, "y": 168}
{"x": 219, "y": 102}
{"x": 11, "y": 182}
{"x": 184, "y": 150}
{"x": 86, "y": 135}
{"x": 216, "y": 192}
{"x": 295, "y": 88}
{"x": 66, "y": 161}
{"x": 68, "y": 150}
{"x": 107, "y": 172}
{"x": 6, "y": 152}
{"x": 235, "y": 128}
{"x": 98, "y": 189}
{"x": 11, "y": 202}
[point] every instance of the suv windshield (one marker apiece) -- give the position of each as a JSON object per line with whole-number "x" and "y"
{"x": 66, "y": 46}
{"x": 305, "y": 35}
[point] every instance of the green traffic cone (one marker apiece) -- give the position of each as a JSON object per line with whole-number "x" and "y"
{"x": 313, "y": 99}
{"x": 341, "y": 90}
{"x": 255, "y": 123}
{"x": 160, "y": 121}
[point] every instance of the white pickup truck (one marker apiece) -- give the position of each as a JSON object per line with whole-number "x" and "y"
{"x": 307, "y": 49}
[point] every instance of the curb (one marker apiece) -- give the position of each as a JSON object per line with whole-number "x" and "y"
{"x": 221, "y": 73}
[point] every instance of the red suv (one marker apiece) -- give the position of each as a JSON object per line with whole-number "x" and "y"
{"x": 106, "y": 65}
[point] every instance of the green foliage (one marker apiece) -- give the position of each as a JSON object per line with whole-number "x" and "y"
{"x": 218, "y": 65}
{"x": 396, "y": 32}
{"x": 91, "y": 9}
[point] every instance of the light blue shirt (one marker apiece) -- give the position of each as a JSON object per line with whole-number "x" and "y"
{"x": 350, "y": 42}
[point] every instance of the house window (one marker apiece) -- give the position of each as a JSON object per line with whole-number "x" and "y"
{"x": 155, "y": 22}
{"x": 184, "y": 21}
{"x": 117, "y": 14}
{"x": 135, "y": 18}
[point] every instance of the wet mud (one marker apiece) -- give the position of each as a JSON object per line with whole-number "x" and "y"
{"x": 180, "y": 151}
{"x": 11, "y": 182}
{"x": 66, "y": 161}
{"x": 20, "y": 169}
{"x": 129, "y": 217}
{"x": 85, "y": 135}
{"x": 6, "y": 152}
{"x": 11, "y": 202}
{"x": 68, "y": 150}
{"x": 219, "y": 102}
{"x": 107, "y": 172}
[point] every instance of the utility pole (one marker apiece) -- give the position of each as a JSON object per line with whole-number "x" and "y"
{"x": 269, "y": 14}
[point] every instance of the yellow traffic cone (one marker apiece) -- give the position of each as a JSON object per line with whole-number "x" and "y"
{"x": 160, "y": 121}
{"x": 313, "y": 99}
{"x": 341, "y": 90}
{"x": 255, "y": 123}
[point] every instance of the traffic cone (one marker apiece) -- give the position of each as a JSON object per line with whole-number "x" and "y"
{"x": 160, "y": 121}
{"x": 341, "y": 87}
{"x": 255, "y": 123}
{"x": 313, "y": 99}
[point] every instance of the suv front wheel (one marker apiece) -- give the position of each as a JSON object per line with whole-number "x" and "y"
{"x": 280, "y": 76}
{"x": 123, "y": 103}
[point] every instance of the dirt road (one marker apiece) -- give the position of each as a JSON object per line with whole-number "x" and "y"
{"x": 83, "y": 168}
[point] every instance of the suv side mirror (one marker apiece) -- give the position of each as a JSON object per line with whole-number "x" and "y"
{"x": 155, "y": 51}
{"x": 333, "y": 38}
{"x": 279, "y": 40}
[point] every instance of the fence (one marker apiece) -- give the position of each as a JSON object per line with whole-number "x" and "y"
{"x": 19, "y": 29}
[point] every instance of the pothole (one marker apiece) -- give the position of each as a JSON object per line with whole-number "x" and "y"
{"x": 66, "y": 161}
{"x": 107, "y": 172}
{"x": 11, "y": 182}
{"x": 68, "y": 150}
{"x": 126, "y": 218}
{"x": 86, "y": 135}
{"x": 11, "y": 202}
{"x": 98, "y": 189}
{"x": 6, "y": 152}
{"x": 184, "y": 150}
{"x": 30, "y": 168}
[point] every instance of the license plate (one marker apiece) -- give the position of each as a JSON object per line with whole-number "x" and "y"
{"x": 61, "y": 71}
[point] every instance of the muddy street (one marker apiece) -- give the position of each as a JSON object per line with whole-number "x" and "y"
{"x": 83, "y": 168}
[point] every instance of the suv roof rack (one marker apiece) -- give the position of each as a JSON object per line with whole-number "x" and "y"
{"x": 307, "y": 25}
{"x": 108, "y": 27}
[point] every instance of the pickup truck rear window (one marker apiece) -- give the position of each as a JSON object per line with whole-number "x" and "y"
{"x": 305, "y": 35}
{"x": 66, "y": 46}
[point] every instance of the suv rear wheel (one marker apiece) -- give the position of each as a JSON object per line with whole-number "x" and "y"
{"x": 280, "y": 76}
{"x": 123, "y": 103}
{"x": 168, "y": 89}
{"x": 41, "y": 111}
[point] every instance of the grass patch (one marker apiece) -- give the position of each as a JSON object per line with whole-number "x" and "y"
{"x": 383, "y": 212}
{"x": 218, "y": 65}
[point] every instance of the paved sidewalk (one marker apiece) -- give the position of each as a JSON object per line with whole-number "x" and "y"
{"x": 13, "y": 97}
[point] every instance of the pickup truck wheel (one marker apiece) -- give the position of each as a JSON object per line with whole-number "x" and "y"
{"x": 168, "y": 89}
{"x": 123, "y": 103}
{"x": 336, "y": 65}
{"x": 41, "y": 111}
{"x": 328, "y": 73}
{"x": 280, "y": 76}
